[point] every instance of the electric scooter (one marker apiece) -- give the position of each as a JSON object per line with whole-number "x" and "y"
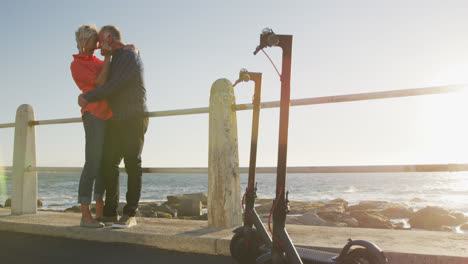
{"x": 252, "y": 238}
{"x": 251, "y": 243}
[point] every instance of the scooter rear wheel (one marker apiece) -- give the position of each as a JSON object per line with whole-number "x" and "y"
{"x": 243, "y": 250}
{"x": 359, "y": 256}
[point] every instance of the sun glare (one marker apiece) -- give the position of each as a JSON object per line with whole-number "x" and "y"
{"x": 3, "y": 182}
{"x": 3, "y": 187}
{"x": 444, "y": 127}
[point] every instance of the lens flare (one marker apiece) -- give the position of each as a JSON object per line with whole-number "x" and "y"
{"x": 3, "y": 185}
{"x": 3, "y": 182}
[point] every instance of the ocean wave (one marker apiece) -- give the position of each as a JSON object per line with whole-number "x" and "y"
{"x": 351, "y": 189}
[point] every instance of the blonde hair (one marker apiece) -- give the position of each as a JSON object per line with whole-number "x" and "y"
{"x": 83, "y": 34}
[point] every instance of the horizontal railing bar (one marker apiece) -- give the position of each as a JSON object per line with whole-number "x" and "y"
{"x": 295, "y": 102}
{"x": 360, "y": 97}
{"x": 56, "y": 121}
{"x": 308, "y": 169}
{"x": 7, "y": 125}
{"x": 145, "y": 170}
{"x": 190, "y": 111}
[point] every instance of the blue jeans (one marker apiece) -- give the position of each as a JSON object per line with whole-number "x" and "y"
{"x": 95, "y": 129}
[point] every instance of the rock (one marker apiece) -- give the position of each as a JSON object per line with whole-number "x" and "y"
{"x": 163, "y": 215}
{"x": 417, "y": 200}
{"x": 461, "y": 218}
{"x": 204, "y": 217}
{"x": 298, "y": 207}
{"x": 146, "y": 210}
{"x": 349, "y": 221}
{"x": 331, "y": 211}
{"x": 263, "y": 200}
{"x": 339, "y": 224}
{"x": 8, "y": 203}
{"x": 293, "y": 220}
{"x": 312, "y": 218}
{"x": 464, "y": 227}
{"x": 369, "y": 205}
{"x": 152, "y": 214}
{"x": 264, "y": 208}
{"x": 201, "y": 217}
{"x": 397, "y": 212}
{"x": 399, "y": 226}
{"x": 73, "y": 209}
{"x": 433, "y": 218}
{"x": 445, "y": 229}
{"x": 1, "y": 206}
{"x": 341, "y": 201}
{"x": 175, "y": 199}
{"x": 190, "y": 207}
{"x": 371, "y": 220}
{"x": 295, "y": 207}
{"x": 166, "y": 208}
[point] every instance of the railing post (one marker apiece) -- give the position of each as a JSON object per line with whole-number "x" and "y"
{"x": 24, "y": 182}
{"x": 224, "y": 201}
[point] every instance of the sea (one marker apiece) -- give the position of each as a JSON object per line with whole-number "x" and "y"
{"x": 58, "y": 191}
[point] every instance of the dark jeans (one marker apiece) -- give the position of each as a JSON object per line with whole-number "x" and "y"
{"x": 124, "y": 140}
{"x": 94, "y": 131}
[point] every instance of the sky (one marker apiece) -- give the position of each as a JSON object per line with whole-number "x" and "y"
{"x": 339, "y": 47}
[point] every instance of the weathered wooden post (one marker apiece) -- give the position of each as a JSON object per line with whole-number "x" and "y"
{"x": 24, "y": 182}
{"x": 224, "y": 201}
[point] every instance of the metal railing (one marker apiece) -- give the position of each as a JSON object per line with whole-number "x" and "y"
{"x": 275, "y": 104}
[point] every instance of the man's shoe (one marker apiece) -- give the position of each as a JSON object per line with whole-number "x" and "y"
{"x": 91, "y": 225}
{"x": 125, "y": 222}
{"x": 108, "y": 220}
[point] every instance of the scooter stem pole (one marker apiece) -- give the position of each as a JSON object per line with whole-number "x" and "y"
{"x": 285, "y": 42}
{"x": 250, "y": 197}
{"x": 279, "y": 215}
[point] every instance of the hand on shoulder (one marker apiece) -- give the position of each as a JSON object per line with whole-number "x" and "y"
{"x": 131, "y": 47}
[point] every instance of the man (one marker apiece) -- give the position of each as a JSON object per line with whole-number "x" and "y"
{"x": 125, "y": 132}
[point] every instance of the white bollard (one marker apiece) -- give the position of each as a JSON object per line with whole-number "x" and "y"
{"x": 24, "y": 182}
{"x": 224, "y": 201}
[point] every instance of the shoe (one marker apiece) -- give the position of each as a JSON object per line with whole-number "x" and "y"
{"x": 91, "y": 225}
{"x": 108, "y": 220}
{"x": 125, "y": 222}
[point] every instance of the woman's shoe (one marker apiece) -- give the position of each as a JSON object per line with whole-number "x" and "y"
{"x": 91, "y": 225}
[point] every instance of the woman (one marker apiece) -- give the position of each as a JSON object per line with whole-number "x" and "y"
{"x": 90, "y": 72}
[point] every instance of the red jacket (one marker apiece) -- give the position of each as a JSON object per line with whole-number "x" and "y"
{"x": 84, "y": 70}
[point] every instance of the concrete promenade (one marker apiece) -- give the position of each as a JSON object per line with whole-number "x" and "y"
{"x": 194, "y": 236}
{"x": 22, "y": 248}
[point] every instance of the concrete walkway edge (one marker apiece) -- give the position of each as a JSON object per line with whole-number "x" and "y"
{"x": 195, "y": 237}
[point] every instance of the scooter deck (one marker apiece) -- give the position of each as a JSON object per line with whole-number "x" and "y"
{"x": 312, "y": 256}
{"x": 308, "y": 256}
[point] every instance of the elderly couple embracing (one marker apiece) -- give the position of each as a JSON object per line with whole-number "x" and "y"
{"x": 113, "y": 107}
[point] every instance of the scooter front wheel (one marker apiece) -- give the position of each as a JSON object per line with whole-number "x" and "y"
{"x": 244, "y": 250}
{"x": 359, "y": 256}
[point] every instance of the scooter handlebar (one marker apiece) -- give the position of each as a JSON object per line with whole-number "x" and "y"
{"x": 257, "y": 49}
{"x": 268, "y": 38}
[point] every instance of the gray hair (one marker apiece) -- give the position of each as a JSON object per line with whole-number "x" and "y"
{"x": 83, "y": 34}
{"x": 113, "y": 31}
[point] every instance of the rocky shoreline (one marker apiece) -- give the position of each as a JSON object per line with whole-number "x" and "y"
{"x": 338, "y": 212}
